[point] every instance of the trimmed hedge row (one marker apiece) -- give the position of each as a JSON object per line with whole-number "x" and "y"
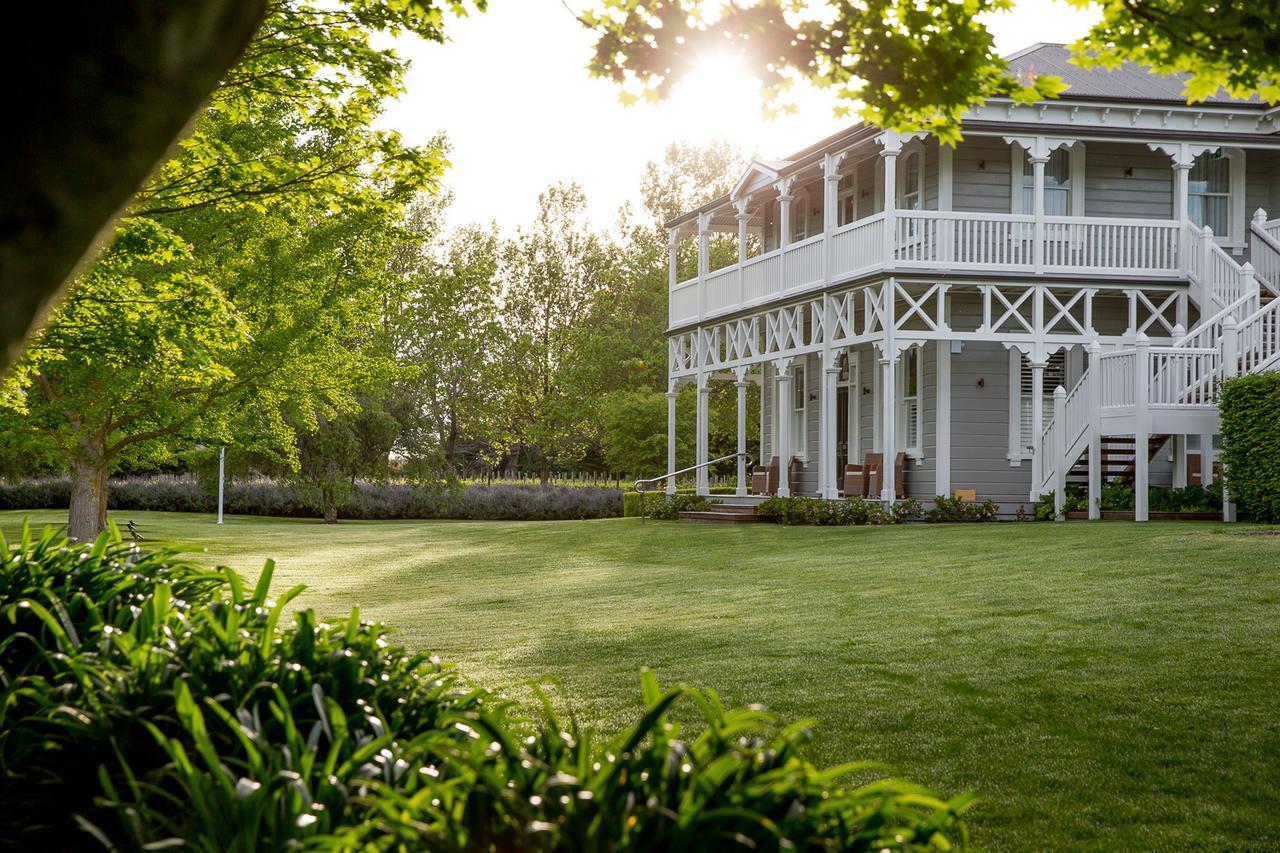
{"x": 1250, "y": 407}
{"x": 1119, "y": 496}
{"x": 150, "y": 703}
{"x": 803, "y": 510}
{"x": 367, "y": 500}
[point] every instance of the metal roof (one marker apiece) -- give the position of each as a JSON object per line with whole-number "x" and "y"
{"x": 1129, "y": 82}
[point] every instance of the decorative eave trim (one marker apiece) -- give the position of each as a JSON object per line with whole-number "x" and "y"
{"x": 1131, "y": 116}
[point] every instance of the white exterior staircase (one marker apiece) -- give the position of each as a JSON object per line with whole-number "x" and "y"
{"x": 1146, "y": 391}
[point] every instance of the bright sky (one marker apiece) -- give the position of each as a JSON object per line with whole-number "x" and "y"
{"x": 512, "y": 91}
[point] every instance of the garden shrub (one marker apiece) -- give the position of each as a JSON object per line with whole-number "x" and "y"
{"x": 800, "y": 510}
{"x": 506, "y": 501}
{"x": 1251, "y": 443}
{"x": 947, "y": 509}
{"x": 632, "y": 504}
{"x": 1118, "y": 496}
{"x": 666, "y": 507}
{"x": 146, "y": 702}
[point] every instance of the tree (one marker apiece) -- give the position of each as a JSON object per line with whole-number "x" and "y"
{"x": 275, "y": 215}
{"x": 920, "y": 64}
{"x": 108, "y": 90}
{"x": 552, "y": 272}
{"x": 141, "y": 347}
{"x": 449, "y": 337}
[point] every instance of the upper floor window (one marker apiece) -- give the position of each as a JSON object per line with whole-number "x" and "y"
{"x": 800, "y": 216}
{"x": 911, "y": 191}
{"x": 1057, "y": 184}
{"x": 1209, "y": 192}
{"x": 847, "y": 199}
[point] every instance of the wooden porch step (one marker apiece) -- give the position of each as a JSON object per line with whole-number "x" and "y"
{"x": 725, "y": 515}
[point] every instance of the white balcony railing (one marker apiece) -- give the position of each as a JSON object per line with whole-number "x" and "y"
{"x": 947, "y": 240}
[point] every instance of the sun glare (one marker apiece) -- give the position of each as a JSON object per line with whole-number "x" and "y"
{"x": 717, "y": 100}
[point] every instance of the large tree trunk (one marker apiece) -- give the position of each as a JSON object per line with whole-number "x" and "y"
{"x": 88, "y": 515}
{"x": 104, "y": 93}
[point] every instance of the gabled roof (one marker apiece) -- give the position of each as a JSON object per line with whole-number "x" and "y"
{"x": 770, "y": 169}
{"x": 1129, "y": 82}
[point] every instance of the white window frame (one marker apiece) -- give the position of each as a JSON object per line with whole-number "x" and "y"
{"x": 854, "y": 384}
{"x": 908, "y": 152}
{"x": 850, "y": 195}
{"x": 1235, "y": 236}
{"x": 915, "y": 451}
{"x": 799, "y": 415}
{"x": 1019, "y": 440}
{"x": 800, "y": 216}
{"x": 1020, "y": 169}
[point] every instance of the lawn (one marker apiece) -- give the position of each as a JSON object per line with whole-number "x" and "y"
{"x": 1099, "y": 685}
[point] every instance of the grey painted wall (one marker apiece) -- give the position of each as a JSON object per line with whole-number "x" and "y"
{"x": 980, "y": 176}
{"x": 1127, "y": 181}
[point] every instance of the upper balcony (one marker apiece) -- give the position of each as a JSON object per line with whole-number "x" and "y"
{"x": 994, "y": 205}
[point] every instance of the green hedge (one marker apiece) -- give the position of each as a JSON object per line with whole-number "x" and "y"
{"x": 797, "y": 509}
{"x": 1250, "y": 407}
{"x": 146, "y": 702}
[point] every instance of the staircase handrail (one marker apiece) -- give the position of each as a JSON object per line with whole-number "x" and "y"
{"x": 1259, "y": 226}
{"x": 706, "y": 464}
{"x": 1212, "y": 326}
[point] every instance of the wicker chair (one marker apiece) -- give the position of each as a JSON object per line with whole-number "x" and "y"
{"x": 873, "y": 475}
{"x": 764, "y": 478}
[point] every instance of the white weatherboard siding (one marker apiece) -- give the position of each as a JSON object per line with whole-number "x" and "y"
{"x": 981, "y": 176}
{"x": 1127, "y": 180}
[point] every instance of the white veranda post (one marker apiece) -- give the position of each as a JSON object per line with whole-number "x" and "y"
{"x": 671, "y": 439}
{"x": 888, "y": 381}
{"x": 743, "y": 219}
{"x": 742, "y": 385}
{"x": 784, "y": 211}
{"x": 892, "y": 147}
{"x": 704, "y": 393}
{"x": 888, "y": 409}
{"x": 1037, "y": 424}
{"x": 782, "y": 424}
{"x": 1141, "y": 427}
{"x": 827, "y": 434}
{"x": 1095, "y": 430}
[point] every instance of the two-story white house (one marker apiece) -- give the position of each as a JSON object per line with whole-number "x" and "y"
{"x": 1056, "y": 296}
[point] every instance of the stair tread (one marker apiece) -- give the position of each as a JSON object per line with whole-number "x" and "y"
{"x": 723, "y": 517}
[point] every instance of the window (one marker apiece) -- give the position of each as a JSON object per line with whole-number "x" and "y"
{"x": 911, "y": 188}
{"x": 1057, "y": 184}
{"x": 847, "y": 199}
{"x": 799, "y": 393}
{"x": 1054, "y": 375}
{"x": 1209, "y": 192}
{"x": 910, "y": 379}
{"x": 1063, "y": 181}
{"x": 800, "y": 216}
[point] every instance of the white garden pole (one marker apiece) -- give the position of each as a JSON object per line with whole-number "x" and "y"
{"x": 222, "y": 458}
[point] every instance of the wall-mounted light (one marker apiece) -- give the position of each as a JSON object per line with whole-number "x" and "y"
{"x": 982, "y": 165}
{"x": 1128, "y": 171}
{"x": 982, "y": 383}
{"x": 866, "y": 391}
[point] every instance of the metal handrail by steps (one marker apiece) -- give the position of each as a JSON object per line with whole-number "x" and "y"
{"x": 638, "y": 483}
{"x": 706, "y": 464}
